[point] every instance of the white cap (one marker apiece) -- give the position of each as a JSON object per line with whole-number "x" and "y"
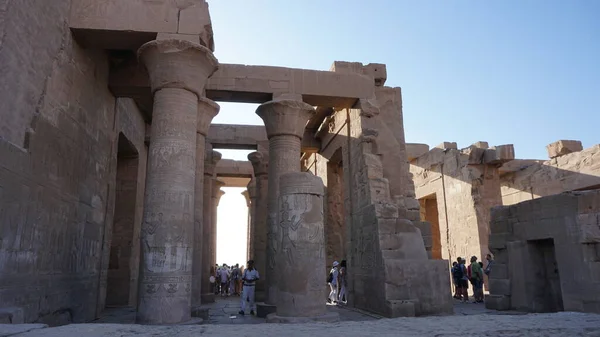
{"x": 335, "y": 263}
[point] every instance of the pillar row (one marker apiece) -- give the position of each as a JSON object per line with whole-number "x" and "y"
{"x": 178, "y": 71}
{"x": 260, "y": 164}
{"x": 207, "y": 110}
{"x": 285, "y": 120}
{"x": 217, "y": 193}
{"x": 210, "y": 162}
{"x": 250, "y": 196}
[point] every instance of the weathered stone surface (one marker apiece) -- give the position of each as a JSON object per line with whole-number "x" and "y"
{"x": 562, "y": 147}
{"x": 556, "y": 238}
{"x": 284, "y": 121}
{"x": 302, "y": 246}
{"x": 573, "y": 171}
{"x": 211, "y": 160}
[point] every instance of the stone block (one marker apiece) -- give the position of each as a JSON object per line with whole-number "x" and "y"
{"x": 411, "y": 204}
{"x": 562, "y": 147}
{"x": 589, "y": 202}
{"x": 169, "y": 36}
{"x": 497, "y": 302}
{"x": 498, "y": 241}
{"x": 413, "y": 215}
{"x": 499, "y": 286}
{"x": 414, "y": 151}
{"x": 402, "y": 308}
{"x": 499, "y": 271}
{"x": 500, "y": 226}
{"x": 423, "y": 226}
{"x": 475, "y": 154}
{"x": 500, "y": 213}
{"x": 200, "y": 312}
{"x": 380, "y": 190}
{"x": 447, "y": 145}
{"x": 263, "y": 309}
{"x": 481, "y": 145}
{"x": 385, "y": 211}
{"x": 499, "y": 154}
{"x": 589, "y": 227}
{"x": 12, "y": 315}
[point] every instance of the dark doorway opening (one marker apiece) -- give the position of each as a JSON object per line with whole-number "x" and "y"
{"x": 120, "y": 279}
{"x": 335, "y": 229}
{"x": 429, "y": 213}
{"x": 543, "y": 283}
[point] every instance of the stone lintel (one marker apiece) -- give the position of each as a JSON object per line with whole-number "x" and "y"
{"x": 562, "y": 147}
{"x": 447, "y": 145}
{"x": 234, "y": 181}
{"x": 376, "y": 71}
{"x": 414, "y": 150}
{"x": 250, "y": 137}
{"x": 499, "y": 154}
{"x": 251, "y": 84}
{"x": 129, "y": 24}
{"x": 234, "y": 168}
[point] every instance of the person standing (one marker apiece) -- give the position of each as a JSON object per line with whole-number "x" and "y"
{"x": 249, "y": 278}
{"x": 490, "y": 262}
{"x": 333, "y": 284}
{"x": 342, "y": 283}
{"x": 224, "y": 277}
{"x": 476, "y": 280}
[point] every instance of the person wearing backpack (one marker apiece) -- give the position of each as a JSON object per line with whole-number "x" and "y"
{"x": 332, "y": 281}
{"x": 460, "y": 274}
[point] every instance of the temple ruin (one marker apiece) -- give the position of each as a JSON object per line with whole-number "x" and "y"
{"x": 110, "y": 178}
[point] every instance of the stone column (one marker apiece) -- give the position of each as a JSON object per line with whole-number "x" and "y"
{"x": 216, "y": 197}
{"x": 250, "y": 195}
{"x": 284, "y": 120}
{"x": 207, "y": 110}
{"x": 260, "y": 163}
{"x": 210, "y": 162}
{"x": 178, "y": 71}
{"x": 301, "y": 260}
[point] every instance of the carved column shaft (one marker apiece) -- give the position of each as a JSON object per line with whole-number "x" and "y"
{"x": 301, "y": 261}
{"x": 210, "y": 162}
{"x": 216, "y": 197}
{"x": 178, "y": 71}
{"x": 260, "y": 164}
{"x": 207, "y": 109}
{"x": 285, "y": 120}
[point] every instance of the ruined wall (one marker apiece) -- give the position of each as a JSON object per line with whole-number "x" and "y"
{"x": 386, "y": 252}
{"x": 526, "y": 180}
{"x": 465, "y": 184}
{"x": 56, "y": 183}
{"x": 547, "y": 254}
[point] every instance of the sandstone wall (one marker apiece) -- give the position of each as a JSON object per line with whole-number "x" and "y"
{"x": 385, "y": 250}
{"x": 464, "y": 193}
{"x": 58, "y": 148}
{"x": 547, "y": 254}
{"x": 569, "y": 172}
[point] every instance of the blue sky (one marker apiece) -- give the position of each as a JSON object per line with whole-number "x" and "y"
{"x": 508, "y": 72}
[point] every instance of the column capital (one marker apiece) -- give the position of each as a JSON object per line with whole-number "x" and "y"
{"x": 211, "y": 159}
{"x": 251, "y": 191}
{"x": 181, "y": 64}
{"x": 216, "y": 188}
{"x": 207, "y": 110}
{"x": 260, "y": 163}
{"x": 285, "y": 117}
{"x": 246, "y": 195}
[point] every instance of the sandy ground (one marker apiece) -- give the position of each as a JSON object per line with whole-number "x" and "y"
{"x": 558, "y": 324}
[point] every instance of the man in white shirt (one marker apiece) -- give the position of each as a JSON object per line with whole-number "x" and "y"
{"x": 249, "y": 278}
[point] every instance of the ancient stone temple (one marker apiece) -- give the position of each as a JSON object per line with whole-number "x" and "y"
{"x": 110, "y": 174}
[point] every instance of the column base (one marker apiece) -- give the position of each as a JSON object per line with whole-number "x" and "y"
{"x": 207, "y": 298}
{"x": 260, "y": 296}
{"x": 200, "y": 312}
{"x": 329, "y": 317}
{"x": 193, "y": 321}
{"x": 264, "y": 309}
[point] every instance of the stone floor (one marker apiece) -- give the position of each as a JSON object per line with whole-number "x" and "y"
{"x": 225, "y": 311}
{"x": 223, "y": 315}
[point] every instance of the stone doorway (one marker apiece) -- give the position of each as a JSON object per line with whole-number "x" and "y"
{"x": 429, "y": 213}
{"x": 335, "y": 229}
{"x": 543, "y": 283}
{"x": 122, "y": 269}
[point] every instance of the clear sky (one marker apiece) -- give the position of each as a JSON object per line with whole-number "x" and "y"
{"x": 519, "y": 72}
